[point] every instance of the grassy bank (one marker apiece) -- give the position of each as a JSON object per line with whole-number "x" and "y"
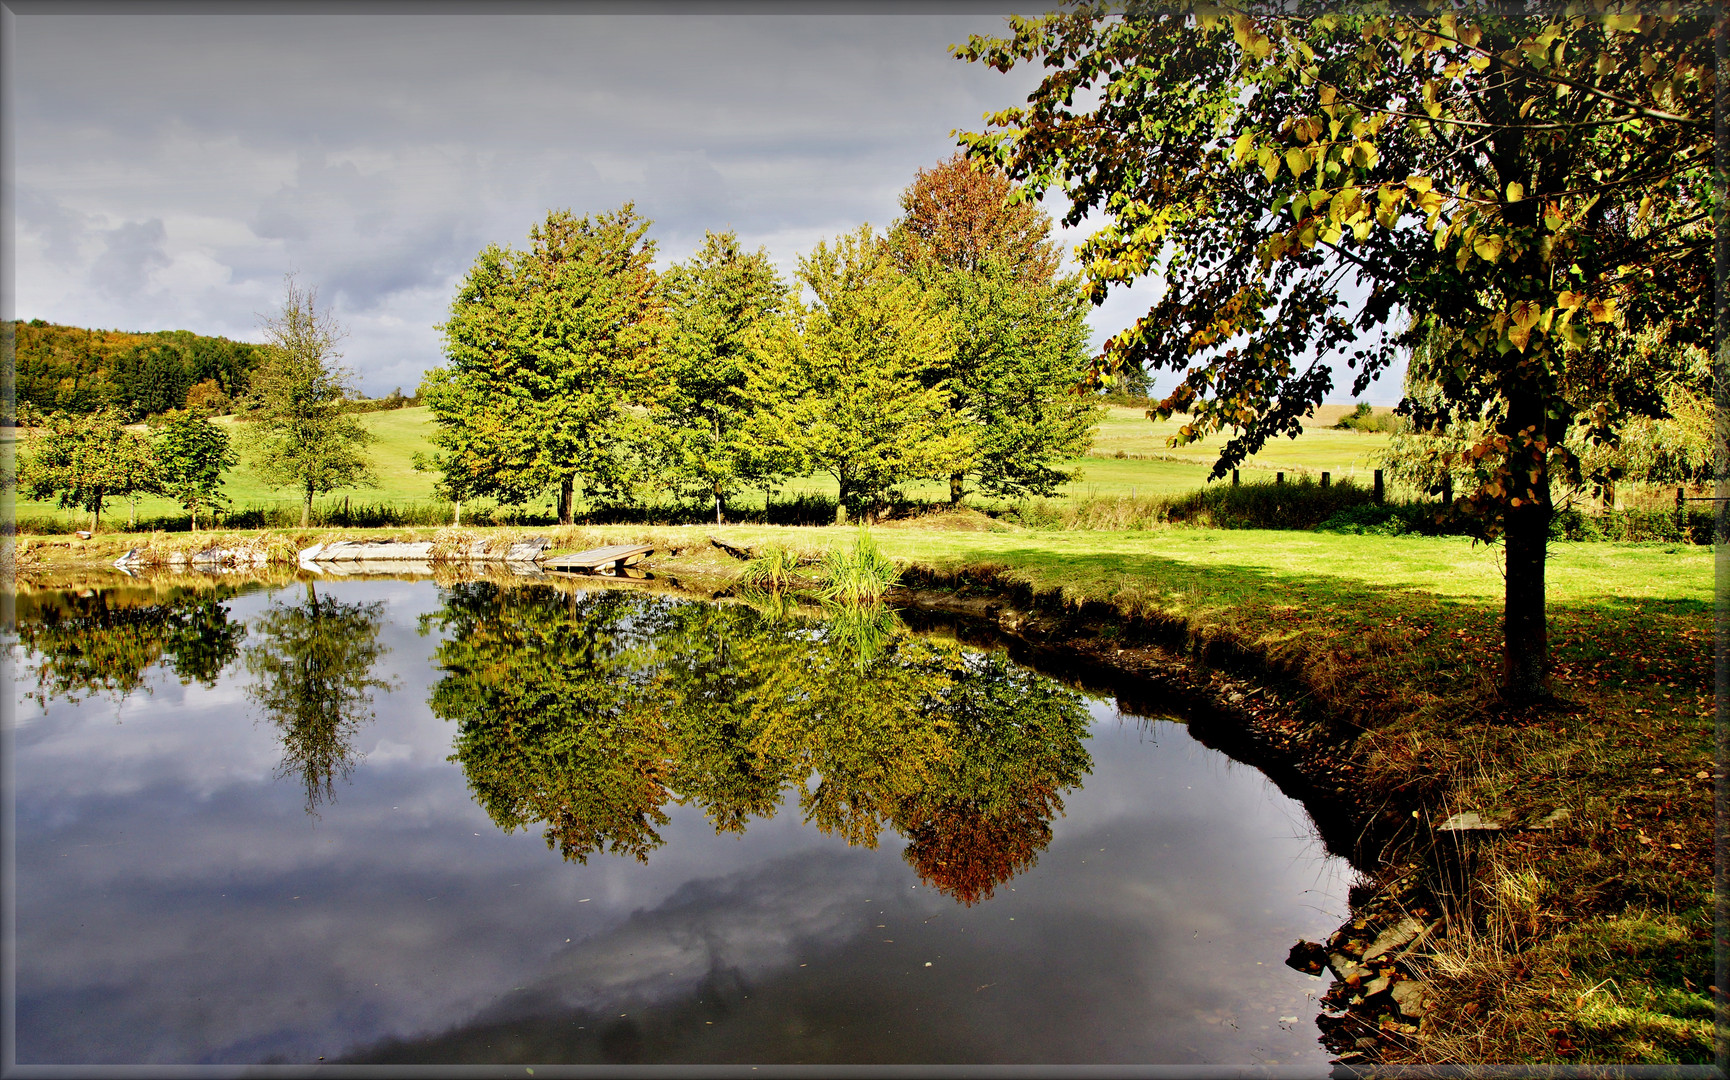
{"x": 1589, "y": 942}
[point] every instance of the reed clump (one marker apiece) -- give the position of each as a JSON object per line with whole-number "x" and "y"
{"x": 859, "y": 574}
{"x": 772, "y": 569}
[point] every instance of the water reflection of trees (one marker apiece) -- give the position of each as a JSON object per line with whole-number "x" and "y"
{"x": 588, "y": 712}
{"x": 107, "y": 641}
{"x": 311, "y": 665}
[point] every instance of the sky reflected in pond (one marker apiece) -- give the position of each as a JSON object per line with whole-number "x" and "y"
{"x": 335, "y": 843}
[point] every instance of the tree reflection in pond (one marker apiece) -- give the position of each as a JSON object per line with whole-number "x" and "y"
{"x": 312, "y": 677}
{"x": 106, "y": 641}
{"x": 588, "y": 712}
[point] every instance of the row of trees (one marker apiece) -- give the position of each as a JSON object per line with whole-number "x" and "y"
{"x": 948, "y": 347}
{"x": 1525, "y": 189}
{"x": 300, "y": 433}
{"x": 86, "y": 461}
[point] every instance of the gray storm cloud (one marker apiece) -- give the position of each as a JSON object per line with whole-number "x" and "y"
{"x": 376, "y": 154}
{"x": 173, "y": 165}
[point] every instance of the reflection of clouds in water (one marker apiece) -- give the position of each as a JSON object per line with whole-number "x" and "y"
{"x": 176, "y": 905}
{"x": 746, "y": 924}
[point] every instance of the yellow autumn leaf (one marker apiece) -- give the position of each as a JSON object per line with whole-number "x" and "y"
{"x": 1519, "y": 335}
{"x": 1624, "y": 18}
{"x": 1270, "y": 165}
{"x": 1241, "y": 148}
{"x": 1298, "y": 161}
{"x": 1516, "y": 191}
{"x": 1489, "y": 248}
{"x": 1524, "y": 314}
{"x": 1603, "y": 310}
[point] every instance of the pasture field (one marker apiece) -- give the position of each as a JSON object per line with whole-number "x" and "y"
{"x": 1149, "y": 467}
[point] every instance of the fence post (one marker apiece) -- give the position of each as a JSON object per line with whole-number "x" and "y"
{"x": 1381, "y": 491}
{"x": 1279, "y": 478}
{"x": 1447, "y": 489}
{"x": 1234, "y": 478}
{"x": 1326, "y": 479}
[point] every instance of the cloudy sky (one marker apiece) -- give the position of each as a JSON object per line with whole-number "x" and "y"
{"x": 174, "y": 161}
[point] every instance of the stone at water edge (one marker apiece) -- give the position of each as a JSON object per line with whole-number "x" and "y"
{"x": 1393, "y": 937}
{"x": 1408, "y": 994}
{"x": 1308, "y": 957}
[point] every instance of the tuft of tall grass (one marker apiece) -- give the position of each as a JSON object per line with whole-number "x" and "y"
{"x": 772, "y": 569}
{"x": 860, "y": 574}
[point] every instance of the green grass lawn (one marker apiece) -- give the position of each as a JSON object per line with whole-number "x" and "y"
{"x": 1149, "y": 467}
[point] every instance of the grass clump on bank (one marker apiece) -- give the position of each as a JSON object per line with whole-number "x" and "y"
{"x": 859, "y": 574}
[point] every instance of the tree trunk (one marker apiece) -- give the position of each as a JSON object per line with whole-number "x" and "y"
{"x": 841, "y": 502}
{"x": 194, "y": 509}
{"x": 132, "y": 515}
{"x": 306, "y": 509}
{"x": 1525, "y": 638}
{"x": 567, "y": 486}
{"x": 96, "y": 516}
{"x": 955, "y": 490}
{"x": 457, "y": 513}
{"x": 720, "y": 507}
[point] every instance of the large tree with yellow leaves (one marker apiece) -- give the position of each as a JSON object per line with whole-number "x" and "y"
{"x": 1527, "y": 182}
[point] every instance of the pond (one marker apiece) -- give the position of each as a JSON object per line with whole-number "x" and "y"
{"x": 398, "y": 821}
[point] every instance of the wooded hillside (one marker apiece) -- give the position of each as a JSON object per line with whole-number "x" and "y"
{"x": 79, "y": 370}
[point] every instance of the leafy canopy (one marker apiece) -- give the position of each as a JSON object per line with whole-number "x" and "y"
{"x": 715, "y": 301}
{"x": 191, "y": 454}
{"x": 854, "y": 385}
{"x": 545, "y": 351}
{"x": 1305, "y": 181}
{"x": 83, "y": 461}
{"x": 1018, "y": 331}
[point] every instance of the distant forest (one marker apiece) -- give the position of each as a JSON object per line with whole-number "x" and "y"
{"x": 71, "y": 369}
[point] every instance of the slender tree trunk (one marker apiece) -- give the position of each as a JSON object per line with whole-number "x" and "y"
{"x": 132, "y": 516}
{"x": 841, "y": 500}
{"x": 306, "y": 508}
{"x": 96, "y": 516}
{"x": 457, "y": 515}
{"x": 567, "y": 486}
{"x": 720, "y": 506}
{"x": 1525, "y": 638}
{"x": 194, "y": 509}
{"x": 955, "y": 489}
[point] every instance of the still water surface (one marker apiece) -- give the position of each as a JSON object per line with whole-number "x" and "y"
{"x": 388, "y": 821}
